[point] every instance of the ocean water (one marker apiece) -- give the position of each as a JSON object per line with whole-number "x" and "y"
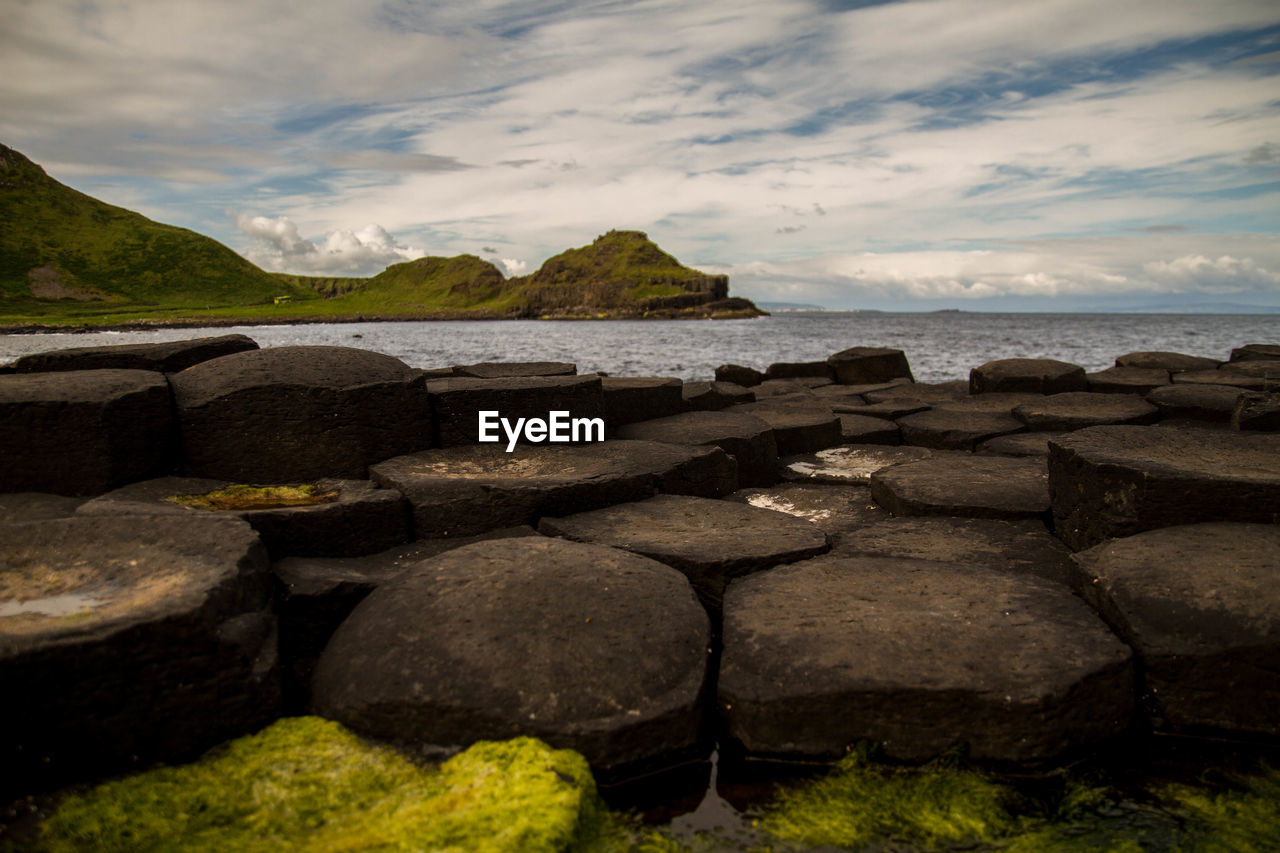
{"x": 939, "y": 346}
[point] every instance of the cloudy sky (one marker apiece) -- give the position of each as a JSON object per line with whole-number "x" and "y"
{"x": 976, "y": 154}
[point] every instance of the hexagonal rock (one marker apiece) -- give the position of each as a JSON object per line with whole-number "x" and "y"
{"x": 166, "y": 357}
{"x": 1028, "y": 375}
{"x": 926, "y": 392}
{"x": 1255, "y": 411}
{"x": 589, "y": 648}
{"x": 1018, "y": 444}
{"x": 128, "y": 641}
{"x": 739, "y": 375}
{"x": 83, "y": 432}
{"x": 502, "y": 369}
{"x": 1080, "y": 409}
{"x": 780, "y": 387}
{"x": 965, "y": 485}
{"x": 36, "y": 506}
{"x": 714, "y": 396}
{"x": 628, "y": 399}
{"x": 357, "y": 519}
{"x": 1022, "y": 547}
{"x": 1255, "y": 352}
{"x": 286, "y": 414}
{"x": 919, "y": 656}
{"x": 797, "y": 429}
{"x": 835, "y": 510}
{"x": 890, "y": 409}
{"x": 1116, "y": 481}
{"x": 457, "y": 403}
{"x": 797, "y": 369}
{"x": 314, "y": 595}
{"x": 862, "y": 365}
{"x": 832, "y": 395}
{"x": 857, "y": 429}
{"x": 945, "y": 428}
{"x": 1268, "y": 376}
{"x": 1199, "y": 604}
{"x": 709, "y": 541}
{"x": 458, "y": 491}
{"x": 849, "y": 464}
{"x": 1197, "y": 402}
{"x": 1126, "y": 380}
{"x": 1173, "y": 362}
{"x": 746, "y": 438}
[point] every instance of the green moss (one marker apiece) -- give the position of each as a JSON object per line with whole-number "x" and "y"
{"x": 309, "y": 784}
{"x": 1243, "y": 819}
{"x": 259, "y": 497}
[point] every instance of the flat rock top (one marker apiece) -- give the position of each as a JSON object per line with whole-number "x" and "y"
{"x": 536, "y": 464}
{"x": 494, "y": 369}
{"x": 1213, "y": 454}
{"x": 77, "y": 386}
{"x": 36, "y": 506}
{"x": 510, "y": 383}
{"x": 1191, "y": 589}
{"x": 71, "y": 579}
{"x": 964, "y": 484}
{"x": 695, "y": 531}
{"x": 696, "y": 428}
{"x": 868, "y": 623}
{"x": 1172, "y": 361}
{"x": 833, "y": 509}
{"x": 1082, "y": 406}
{"x": 850, "y": 463}
{"x": 164, "y": 355}
{"x": 294, "y": 366}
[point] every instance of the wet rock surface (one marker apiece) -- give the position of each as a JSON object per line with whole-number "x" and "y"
{"x": 83, "y": 432}
{"x": 746, "y": 438}
{"x": 129, "y": 640}
{"x": 919, "y": 656}
{"x": 586, "y": 647}
{"x": 965, "y": 485}
{"x": 1201, "y": 607}
{"x": 709, "y": 541}
{"x": 286, "y": 414}
{"x": 459, "y": 491}
{"x": 848, "y": 464}
{"x": 834, "y": 509}
{"x": 166, "y": 357}
{"x": 1114, "y": 481}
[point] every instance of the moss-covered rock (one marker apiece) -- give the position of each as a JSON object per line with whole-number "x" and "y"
{"x": 241, "y": 496}
{"x": 309, "y": 784}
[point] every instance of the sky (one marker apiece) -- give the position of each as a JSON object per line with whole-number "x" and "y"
{"x": 912, "y": 154}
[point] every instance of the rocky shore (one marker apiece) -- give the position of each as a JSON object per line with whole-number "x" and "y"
{"x": 199, "y": 538}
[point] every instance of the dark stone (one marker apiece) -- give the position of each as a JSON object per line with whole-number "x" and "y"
{"x": 1080, "y": 409}
{"x": 849, "y": 464}
{"x": 314, "y": 595}
{"x": 796, "y": 429}
{"x": 945, "y": 428}
{"x": 1018, "y": 444}
{"x": 36, "y": 506}
{"x": 714, "y": 396}
{"x": 1116, "y": 481}
{"x": 435, "y": 372}
{"x": 862, "y": 365}
{"x": 457, "y": 403}
{"x": 709, "y": 541}
{"x": 84, "y": 432}
{"x": 507, "y": 369}
{"x": 961, "y": 484}
{"x": 630, "y": 399}
{"x": 129, "y": 641}
{"x": 837, "y": 395}
{"x": 918, "y": 656}
{"x": 783, "y": 387}
{"x": 857, "y": 429}
{"x": 746, "y": 438}
{"x": 1255, "y": 352}
{"x": 1232, "y": 378}
{"x": 360, "y": 519}
{"x": 890, "y": 409}
{"x": 739, "y": 375}
{"x": 994, "y": 403}
{"x": 1197, "y": 402}
{"x": 1022, "y": 547}
{"x": 1126, "y": 380}
{"x": 795, "y": 370}
{"x": 1173, "y": 362}
{"x": 835, "y": 510}
{"x": 1256, "y": 411}
{"x": 1201, "y": 607}
{"x": 586, "y": 647}
{"x": 289, "y": 414}
{"x": 459, "y": 491}
{"x": 925, "y": 392}
{"x": 1027, "y": 375}
{"x": 166, "y": 357}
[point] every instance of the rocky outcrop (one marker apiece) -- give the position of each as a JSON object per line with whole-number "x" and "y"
{"x": 168, "y": 357}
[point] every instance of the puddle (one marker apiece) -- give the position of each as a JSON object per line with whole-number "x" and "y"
{"x": 66, "y": 604}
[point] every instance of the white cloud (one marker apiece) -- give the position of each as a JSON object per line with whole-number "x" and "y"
{"x": 513, "y": 267}
{"x": 280, "y": 248}
{"x": 1191, "y": 273}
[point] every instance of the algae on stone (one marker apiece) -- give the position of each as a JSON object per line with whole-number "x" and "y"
{"x": 242, "y": 497}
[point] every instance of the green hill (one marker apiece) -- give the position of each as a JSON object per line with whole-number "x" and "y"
{"x": 60, "y": 246}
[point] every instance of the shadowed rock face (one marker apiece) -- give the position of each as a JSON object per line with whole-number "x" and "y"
{"x": 860, "y": 365}
{"x": 919, "y": 656}
{"x": 586, "y": 647}
{"x": 129, "y": 640}
{"x": 1201, "y": 607}
{"x": 286, "y": 414}
{"x": 746, "y": 438}
{"x": 1027, "y": 375}
{"x": 167, "y": 357}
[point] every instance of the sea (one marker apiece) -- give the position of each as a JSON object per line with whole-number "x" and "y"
{"x": 940, "y": 346}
